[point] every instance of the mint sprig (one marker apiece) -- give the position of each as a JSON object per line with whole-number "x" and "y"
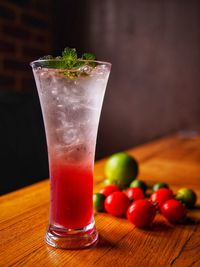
{"x": 69, "y": 59}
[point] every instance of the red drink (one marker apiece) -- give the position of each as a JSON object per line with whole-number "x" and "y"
{"x": 71, "y": 194}
{"x": 71, "y": 101}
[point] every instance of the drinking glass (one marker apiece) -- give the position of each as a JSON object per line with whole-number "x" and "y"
{"x": 71, "y": 102}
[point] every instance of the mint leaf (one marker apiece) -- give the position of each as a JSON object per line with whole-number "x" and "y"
{"x": 88, "y": 56}
{"x": 58, "y": 63}
{"x": 69, "y": 56}
{"x": 70, "y": 74}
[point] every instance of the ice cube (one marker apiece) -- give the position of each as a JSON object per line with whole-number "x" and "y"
{"x": 66, "y": 135}
{"x": 86, "y": 69}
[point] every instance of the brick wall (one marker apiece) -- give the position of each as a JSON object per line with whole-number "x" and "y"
{"x": 25, "y": 35}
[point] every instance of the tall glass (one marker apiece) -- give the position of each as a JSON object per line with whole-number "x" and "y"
{"x": 71, "y": 102}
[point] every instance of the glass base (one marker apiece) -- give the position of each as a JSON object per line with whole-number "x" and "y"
{"x": 72, "y": 238}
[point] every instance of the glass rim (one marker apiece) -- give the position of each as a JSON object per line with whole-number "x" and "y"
{"x": 38, "y": 61}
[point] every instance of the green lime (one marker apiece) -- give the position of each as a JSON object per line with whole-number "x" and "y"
{"x": 187, "y": 196}
{"x": 121, "y": 169}
{"x": 159, "y": 185}
{"x": 139, "y": 183}
{"x": 98, "y": 201}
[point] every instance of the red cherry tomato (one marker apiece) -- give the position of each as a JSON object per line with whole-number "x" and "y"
{"x": 141, "y": 213}
{"x": 173, "y": 210}
{"x": 117, "y": 203}
{"x": 135, "y": 193}
{"x": 109, "y": 189}
{"x": 161, "y": 196}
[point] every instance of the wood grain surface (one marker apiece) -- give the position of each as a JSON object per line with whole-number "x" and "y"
{"x": 24, "y": 217}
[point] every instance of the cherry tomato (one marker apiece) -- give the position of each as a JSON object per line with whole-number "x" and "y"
{"x": 107, "y": 190}
{"x": 117, "y": 203}
{"x": 173, "y": 210}
{"x": 159, "y": 197}
{"x": 139, "y": 183}
{"x": 187, "y": 196}
{"x": 134, "y": 193}
{"x": 141, "y": 213}
{"x": 98, "y": 201}
{"x": 159, "y": 185}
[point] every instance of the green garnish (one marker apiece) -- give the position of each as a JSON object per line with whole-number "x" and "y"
{"x": 88, "y": 56}
{"x": 69, "y": 57}
{"x": 70, "y": 61}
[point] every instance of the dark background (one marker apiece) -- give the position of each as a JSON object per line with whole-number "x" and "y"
{"x": 154, "y": 87}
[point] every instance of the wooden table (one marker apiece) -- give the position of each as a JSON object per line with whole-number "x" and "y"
{"x": 24, "y": 213}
